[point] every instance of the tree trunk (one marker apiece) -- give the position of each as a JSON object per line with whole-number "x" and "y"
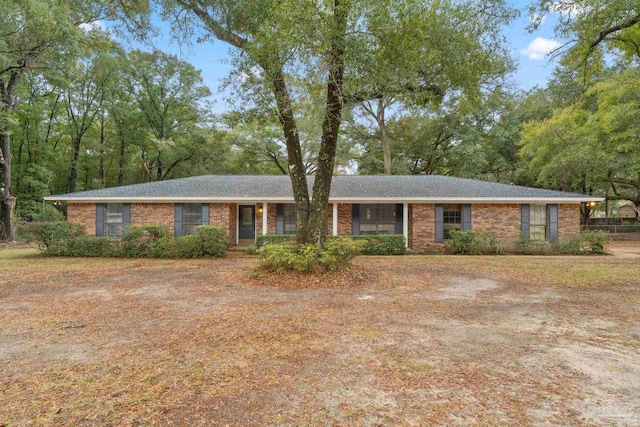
{"x": 7, "y": 200}
{"x": 73, "y": 174}
{"x": 317, "y": 226}
{"x": 294, "y": 153}
{"x": 386, "y": 151}
{"x": 121, "y": 161}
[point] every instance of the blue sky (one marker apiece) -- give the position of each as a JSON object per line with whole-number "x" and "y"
{"x": 528, "y": 50}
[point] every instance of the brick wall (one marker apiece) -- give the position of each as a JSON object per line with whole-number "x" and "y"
{"x": 344, "y": 219}
{"x": 501, "y": 219}
{"x": 83, "y": 214}
{"x": 225, "y": 215}
{"x": 153, "y": 214}
{"x": 568, "y": 220}
{"x": 422, "y": 227}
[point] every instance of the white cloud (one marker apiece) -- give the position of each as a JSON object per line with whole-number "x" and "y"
{"x": 539, "y": 48}
{"x": 94, "y": 25}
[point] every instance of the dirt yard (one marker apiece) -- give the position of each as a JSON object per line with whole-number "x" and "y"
{"x": 404, "y": 341}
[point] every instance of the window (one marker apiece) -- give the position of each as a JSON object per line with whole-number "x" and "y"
{"x": 191, "y": 218}
{"x": 114, "y": 219}
{"x": 289, "y": 216}
{"x": 538, "y": 222}
{"x": 378, "y": 219}
{"x": 451, "y": 218}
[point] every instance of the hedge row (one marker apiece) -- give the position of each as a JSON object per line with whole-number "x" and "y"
{"x": 142, "y": 241}
{"x": 482, "y": 243}
{"x": 392, "y": 244}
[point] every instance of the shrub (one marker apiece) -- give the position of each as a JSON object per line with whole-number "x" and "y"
{"x": 208, "y": 241}
{"x": 589, "y": 242}
{"x": 275, "y": 238}
{"x": 49, "y": 235}
{"x": 213, "y": 240}
{"x": 88, "y": 247}
{"x": 281, "y": 258}
{"x": 392, "y": 244}
{"x": 461, "y": 241}
{"x": 141, "y": 241}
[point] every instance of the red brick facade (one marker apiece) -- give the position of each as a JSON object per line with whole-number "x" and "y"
{"x": 501, "y": 219}
{"x": 83, "y": 214}
{"x": 153, "y": 213}
{"x": 568, "y": 220}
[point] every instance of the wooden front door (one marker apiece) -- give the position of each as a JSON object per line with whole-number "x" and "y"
{"x": 247, "y": 222}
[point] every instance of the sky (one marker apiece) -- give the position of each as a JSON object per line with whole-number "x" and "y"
{"x": 529, "y": 50}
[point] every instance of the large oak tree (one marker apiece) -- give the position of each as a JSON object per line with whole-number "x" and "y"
{"x": 358, "y": 50}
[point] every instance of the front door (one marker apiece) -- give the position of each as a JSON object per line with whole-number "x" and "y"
{"x": 247, "y": 222}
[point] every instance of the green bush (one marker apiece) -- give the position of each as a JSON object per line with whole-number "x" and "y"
{"x": 141, "y": 241}
{"x": 392, "y": 244}
{"x": 144, "y": 241}
{"x": 208, "y": 241}
{"x": 49, "y": 235}
{"x": 88, "y": 247}
{"x": 587, "y": 242}
{"x": 281, "y": 258}
{"x": 461, "y": 242}
{"x": 274, "y": 238}
{"x": 213, "y": 240}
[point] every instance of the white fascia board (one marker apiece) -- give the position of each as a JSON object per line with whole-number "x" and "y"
{"x": 331, "y": 200}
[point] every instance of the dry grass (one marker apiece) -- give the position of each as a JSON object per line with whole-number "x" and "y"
{"x": 413, "y": 340}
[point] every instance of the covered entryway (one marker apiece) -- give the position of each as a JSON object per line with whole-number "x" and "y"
{"x": 246, "y": 224}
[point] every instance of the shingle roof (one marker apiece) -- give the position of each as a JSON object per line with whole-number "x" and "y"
{"x": 391, "y": 187}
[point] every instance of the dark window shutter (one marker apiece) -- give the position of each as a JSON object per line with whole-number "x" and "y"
{"x": 553, "y": 223}
{"x": 279, "y": 218}
{"x": 205, "y": 214}
{"x": 399, "y": 219}
{"x": 126, "y": 216}
{"x": 524, "y": 221}
{"x": 466, "y": 217}
{"x": 177, "y": 220}
{"x": 439, "y": 224}
{"x": 355, "y": 219}
{"x": 100, "y": 219}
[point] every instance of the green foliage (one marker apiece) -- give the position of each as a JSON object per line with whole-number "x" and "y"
{"x": 392, "y": 244}
{"x": 141, "y": 241}
{"x": 482, "y": 243}
{"x": 87, "y": 247}
{"x": 263, "y": 240}
{"x": 474, "y": 243}
{"x": 49, "y": 235}
{"x": 282, "y": 258}
{"x": 587, "y": 242}
{"x": 144, "y": 241}
{"x": 371, "y": 245}
{"x": 213, "y": 240}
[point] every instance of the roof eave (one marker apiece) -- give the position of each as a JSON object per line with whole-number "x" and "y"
{"x": 562, "y": 199}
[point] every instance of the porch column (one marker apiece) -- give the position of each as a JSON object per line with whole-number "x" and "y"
{"x": 265, "y": 228}
{"x": 335, "y": 218}
{"x": 405, "y": 223}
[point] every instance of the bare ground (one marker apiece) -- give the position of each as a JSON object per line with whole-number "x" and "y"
{"x": 415, "y": 340}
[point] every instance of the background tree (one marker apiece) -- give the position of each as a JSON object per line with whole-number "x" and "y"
{"x": 168, "y": 92}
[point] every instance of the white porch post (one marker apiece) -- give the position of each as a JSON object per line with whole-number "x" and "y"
{"x": 265, "y": 228}
{"x": 405, "y": 223}
{"x": 335, "y": 219}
